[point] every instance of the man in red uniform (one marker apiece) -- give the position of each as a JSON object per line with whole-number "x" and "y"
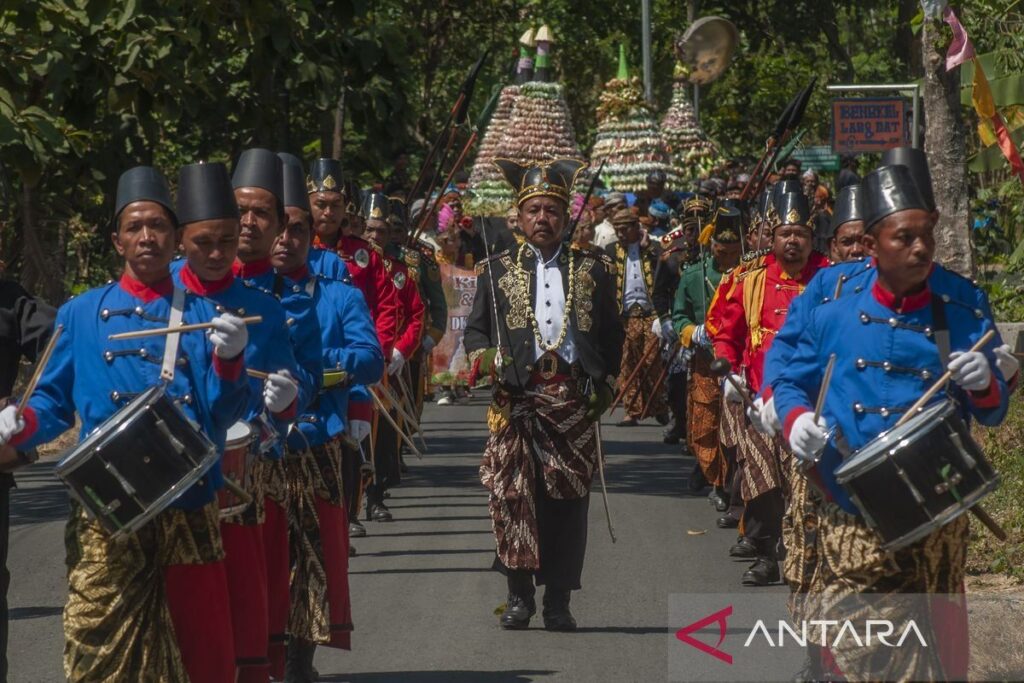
{"x": 748, "y": 312}
{"x": 410, "y": 330}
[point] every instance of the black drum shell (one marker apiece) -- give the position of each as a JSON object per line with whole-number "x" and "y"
{"x": 901, "y": 491}
{"x": 153, "y": 447}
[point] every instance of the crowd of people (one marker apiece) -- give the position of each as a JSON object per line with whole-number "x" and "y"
{"x": 288, "y": 317}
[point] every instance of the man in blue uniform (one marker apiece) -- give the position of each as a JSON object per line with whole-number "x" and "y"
{"x": 153, "y": 605}
{"x": 259, "y": 192}
{"x": 209, "y": 223}
{"x": 891, "y": 340}
{"x": 321, "y": 610}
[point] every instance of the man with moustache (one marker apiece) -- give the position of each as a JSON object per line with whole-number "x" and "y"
{"x": 152, "y": 605}
{"x": 545, "y": 325}
{"x": 744, "y": 320}
{"x": 259, "y": 193}
{"x": 318, "y": 523}
{"x": 208, "y": 216}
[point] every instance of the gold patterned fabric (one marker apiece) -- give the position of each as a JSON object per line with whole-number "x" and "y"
{"x": 310, "y": 474}
{"x": 639, "y": 341}
{"x": 800, "y": 538}
{"x": 117, "y": 626}
{"x": 275, "y": 482}
{"x": 924, "y": 581}
{"x": 763, "y": 460}
{"x": 703, "y": 415}
{"x": 731, "y": 424}
{"x": 256, "y": 512}
{"x": 553, "y": 428}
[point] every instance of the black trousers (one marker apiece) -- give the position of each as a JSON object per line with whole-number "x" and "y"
{"x": 562, "y": 527}
{"x": 676, "y": 383}
{"x": 385, "y": 461}
{"x": 762, "y": 521}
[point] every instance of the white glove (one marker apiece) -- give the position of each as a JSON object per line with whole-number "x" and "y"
{"x": 279, "y": 390}
{"x": 428, "y": 344}
{"x": 657, "y": 329}
{"x": 10, "y": 426}
{"x": 729, "y": 390}
{"x": 762, "y": 416}
{"x": 229, "y": 335}
{"x": 397, "y": 361}
{"x": 808, "y": 438}
{"x": 699, "y": 336}
{"x": 1006, "y": 362}
{"x": 358, "y": 429}
{"x": 970, "y": 370}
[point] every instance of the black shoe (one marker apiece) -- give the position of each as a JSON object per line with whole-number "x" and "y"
{"x": 628, "y": 422}
{"x": 718, "y": 500}
{"x": 743, "y": 549}
{"x": 763, "y": 572}
{"x": 298, "y": 663}
{"x": 673, "y": 434}
{"x": 518, "y": 611}
{"x": 379, "y": 512}
{"x": 663, "y": 419}
{"x": 356, "y": 529}
{"x": 697, "y": 480}
{"x": 727, "y": 522}
{"x": 557, "y": 616}
{"x": 352, "y": 550}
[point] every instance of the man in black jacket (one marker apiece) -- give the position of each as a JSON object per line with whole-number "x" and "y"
{"x": 545, "y": 325}
{"x": 25, "y": 326}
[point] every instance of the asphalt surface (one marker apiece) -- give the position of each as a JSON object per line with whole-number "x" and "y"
{"x": 424, "y": 596}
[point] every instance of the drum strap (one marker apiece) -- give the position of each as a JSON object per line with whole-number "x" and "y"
{"x": 941, "y": 328}
{"x": 171, "y": 347}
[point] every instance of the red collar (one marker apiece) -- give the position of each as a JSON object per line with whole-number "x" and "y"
{"x": 205, "y": 287}
{"x": 910, "y": 303}
{"x": 253, "y": 268}
{"x": 319, "y": 244}
{"x": 299, "y": 274}
{"x": 146, "y": 292}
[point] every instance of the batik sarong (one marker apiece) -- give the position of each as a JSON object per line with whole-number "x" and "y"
{"x": 703, "y": 411}
{"x": 639, "y": 342}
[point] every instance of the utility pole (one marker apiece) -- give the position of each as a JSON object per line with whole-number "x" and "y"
{"x": 645, "y": 32}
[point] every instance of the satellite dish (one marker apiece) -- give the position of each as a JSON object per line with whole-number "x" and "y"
{"x": 706, "y": 48}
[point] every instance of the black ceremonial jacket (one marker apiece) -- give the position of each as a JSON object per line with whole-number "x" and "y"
{"x": 504, "y": 313}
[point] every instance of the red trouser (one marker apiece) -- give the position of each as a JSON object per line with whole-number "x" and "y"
{"x": 334, "y": 543}
{"x": 247, "y": 587}
{"x": 275, "y": 548}
{"x": 197, "y": 597}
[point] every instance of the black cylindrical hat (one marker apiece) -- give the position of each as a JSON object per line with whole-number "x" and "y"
{"x": 205, "y": 193}
{"x": 397, "y": 214}
{"x": 294, "y": 181}
{"x": 889, "y": 189}
{"x": 142, "y": 184}
{"x": 375, "y": 206}
{"x": 728, "y": 226}
{"x": 258, "y": 167}
{"x": 916, "y": 162}
{"x": 849, "y": 207}
{"x": 325, "y": 175}
{"x": 792, "y": 209}
{"x": 785, "y": 186}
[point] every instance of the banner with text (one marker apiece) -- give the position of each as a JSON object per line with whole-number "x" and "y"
{"x": 448, "y": 362}
{"x": 861, "y": 124}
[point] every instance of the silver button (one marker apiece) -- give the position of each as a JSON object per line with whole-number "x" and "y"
{"x": 105, "y": 313}
{"x": 825, "y": 300}
{"x": 861, "y": 363}
{"x": 893, "y": 322}
{"x": 946, "y": 299}
{"x": 864, "y": 318}
{"x": 241, "y": 311}
{"x": 887, "y": 366}
{"x": 115, "y": 396}
{"x": 928, "y": 332}
{"x": 884, "y": 412}
{"x": 858, "y": 289}
{"x": 858, "y": 407}
{"x": 219, "y": 308}
{"x": 926, "y": 375}
{"x": 143, "y": 353}
{"x": 138, "y": 310}
{"x": 296, "y": 288}
{"x": 108, "y": 356}
{"x": 978, "y": 313}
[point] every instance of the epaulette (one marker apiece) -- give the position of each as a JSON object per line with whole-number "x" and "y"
{"x": 493, "y": 257}
{"x": 376, "y": 247}
{"x": 751, "y": 255}
{"x": 410, "y": 256}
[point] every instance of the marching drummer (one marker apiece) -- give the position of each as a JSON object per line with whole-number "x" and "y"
{"x": 259, "y": 192}
{"x": 209, "y": 221}
{"x": 892, "y": 340}
{"x": 154, "y": 604}
{"x": 321, "y": 611}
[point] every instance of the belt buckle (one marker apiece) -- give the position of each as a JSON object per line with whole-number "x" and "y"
{"x": 548, "y": 366}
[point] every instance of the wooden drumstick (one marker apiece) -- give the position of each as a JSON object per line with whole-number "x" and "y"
{"x": 251, "y": 320}
{"x": 942, "y": 381}
{"x": 257, "y": 374}
{"x": 823, "y": 391}
{"x": 720, "y": 367}
{"x": 242, "y": 494}
{"x": 38, "y": 372}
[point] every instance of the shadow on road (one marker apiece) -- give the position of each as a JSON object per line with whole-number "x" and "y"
{"x": 649, "y": 473}
{"x": 433, "y": 570}
{"x": 17, "y": 613}
{"x": 432, "y": 551}
{"x": 40, "y": 497}
{"x": 519, "y": 676}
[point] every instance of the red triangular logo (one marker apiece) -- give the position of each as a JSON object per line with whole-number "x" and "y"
{"x": 720, "y": 617}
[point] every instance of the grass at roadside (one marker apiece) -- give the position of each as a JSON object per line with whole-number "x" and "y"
{"x": 1004, "y": 447}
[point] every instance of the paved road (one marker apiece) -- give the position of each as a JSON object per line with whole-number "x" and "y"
{"x": 423, "y": 592}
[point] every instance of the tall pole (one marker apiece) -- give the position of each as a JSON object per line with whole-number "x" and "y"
{"x": 645, "y": 20}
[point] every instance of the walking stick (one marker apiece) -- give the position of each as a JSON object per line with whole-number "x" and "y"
{"x": 657, "y": 385}
{"x": 632, "y": 376}
{"x": 604, "y": 486}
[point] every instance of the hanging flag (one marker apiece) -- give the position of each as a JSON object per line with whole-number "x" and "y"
{"x": 961, "y": 49}
{"x": 985, "y": 105}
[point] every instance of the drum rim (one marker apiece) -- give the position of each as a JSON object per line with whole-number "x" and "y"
{"x": 861, "y": 461}
{"x": 231, "y": 444}
{"x": 71, "y": 459}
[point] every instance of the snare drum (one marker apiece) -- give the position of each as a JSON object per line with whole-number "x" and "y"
{"x": 266, "y": 432}
{"x": 915, "y": 478}
{"x": 235, "y": 464}
{"x": 137, "y": 462}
